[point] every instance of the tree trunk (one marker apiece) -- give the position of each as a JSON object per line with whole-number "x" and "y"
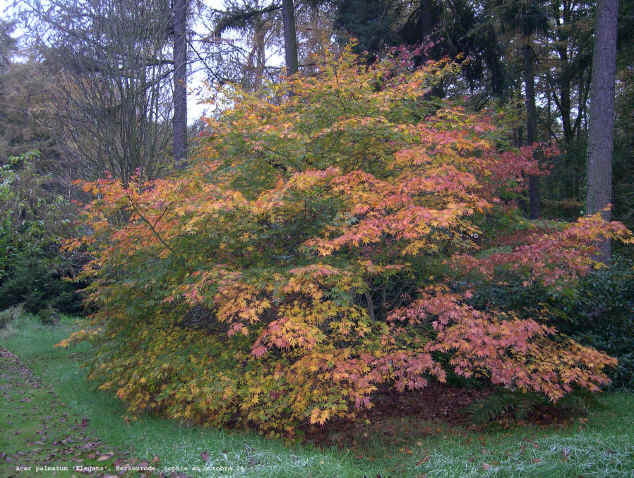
{"x": 428, "y": 19}
{"x": 290, "y": 36}
{"x": 314, "y": 40}
{"x": 180, "y": 80}
{"x": 531, "y": 126}
{"x": 601, "y": 138}
{"x": 563, "y": 44}
{"x": 260, "y": 48}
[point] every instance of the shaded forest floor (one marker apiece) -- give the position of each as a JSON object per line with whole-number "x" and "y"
{"x": 51, "y": 416}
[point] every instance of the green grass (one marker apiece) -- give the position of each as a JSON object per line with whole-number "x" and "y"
{"x": 406, "y": 447}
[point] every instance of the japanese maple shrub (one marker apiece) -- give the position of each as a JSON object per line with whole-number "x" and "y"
{"x": 320, "y": 248}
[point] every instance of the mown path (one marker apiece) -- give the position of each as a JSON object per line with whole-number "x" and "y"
{"x": 40, "y": 439}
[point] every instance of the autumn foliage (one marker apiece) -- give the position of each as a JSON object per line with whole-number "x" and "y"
{"x": 323, "y": 246}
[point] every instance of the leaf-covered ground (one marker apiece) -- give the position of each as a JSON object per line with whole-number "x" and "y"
{"x": 41, "y": 438}
{"x": 51, "y": 416}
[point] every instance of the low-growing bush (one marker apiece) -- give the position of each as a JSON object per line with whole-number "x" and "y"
{"x": 505, "y": 405}
{"x": 601, "y": 314}
{"x": 309, "y": 257}
{"x": 9, "y": 315}
{"x": 596, "y": 310}
{"x": 33, "y": 271}
{"x": 40, "y": 281}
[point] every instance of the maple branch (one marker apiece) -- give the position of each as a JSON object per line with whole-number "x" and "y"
{"x": 162, "y": 214}
{"x": 368, "y": 299}
{"x": 155, "y": 232}
{"x": 338, "y": 91}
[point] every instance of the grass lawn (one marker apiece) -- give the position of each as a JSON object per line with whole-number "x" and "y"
{"x": 56, "y": 416}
